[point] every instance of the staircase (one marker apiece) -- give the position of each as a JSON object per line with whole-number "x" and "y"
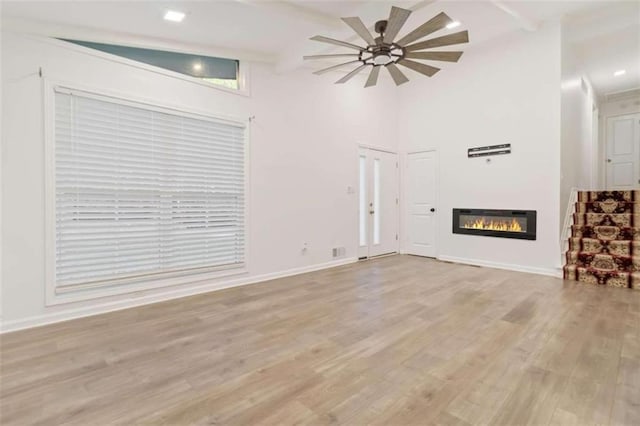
{"x": 604, "y": 246}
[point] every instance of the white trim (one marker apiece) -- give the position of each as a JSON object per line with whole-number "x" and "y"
{"x": 59, "y": 296}
{"x": 595, "y": 151}
{"x": 2, "y": 133}
{"x": 49, "y": 140}
{"x": 507, "y": 266}
{"x": 54, "y": 317}
{"x": 244, "y": 87}
{"x": 419, "y": 151}
{"x": 376, "y": 148}
{"x": 54, "y": 296}
{"x": 52, "y": 84}
{"x": 359, "y": 248}
{"x": 568, "y": 220}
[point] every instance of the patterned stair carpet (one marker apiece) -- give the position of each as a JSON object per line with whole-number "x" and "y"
{"x": 604, "y": 247}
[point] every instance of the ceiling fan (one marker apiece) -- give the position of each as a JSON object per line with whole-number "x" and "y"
{"x": 383, "y": 51}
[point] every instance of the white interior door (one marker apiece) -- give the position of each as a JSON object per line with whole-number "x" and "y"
{"x": 378, "y": 203}
{"x": 623, "y": 152}
{"x": 420, "y": 217}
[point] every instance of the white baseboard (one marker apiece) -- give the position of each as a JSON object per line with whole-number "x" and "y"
{"x": 86, "y": 311}
{"x": 508, "y": 266}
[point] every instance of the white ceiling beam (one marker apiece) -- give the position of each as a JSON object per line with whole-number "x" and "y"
{"x": 523, "y": 22}
{"x": 295, "y": 11}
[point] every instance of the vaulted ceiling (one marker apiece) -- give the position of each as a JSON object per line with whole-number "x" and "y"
{"x": 278, "y": 31}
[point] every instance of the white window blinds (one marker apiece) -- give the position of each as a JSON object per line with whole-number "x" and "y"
{"x": 141, "y": 191}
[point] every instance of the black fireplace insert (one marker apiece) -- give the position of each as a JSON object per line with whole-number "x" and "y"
{"x": 520, "y": 224}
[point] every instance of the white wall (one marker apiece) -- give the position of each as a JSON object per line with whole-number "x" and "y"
{"x": 579, "y": 150}
{"x": 507, "y": 91}
{"x": 303, "y": 157}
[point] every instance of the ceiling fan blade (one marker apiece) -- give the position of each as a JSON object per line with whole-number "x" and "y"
{"x": 434, "y": 24}
{"x": 337, "y": 55}
{"x": 373, "y": 77}
{"x": 455, "y": 38}
{"x": 356, "y": 25}
{"x": 396, "y": 20}
{"x": 397, "y": 75}
{"x": 324, "y": 39}
{"x": 324, "y": 70}
{"x": 427, "y": 70}
{"x": 351, "y": 74}
{"x": 435, "y": 56}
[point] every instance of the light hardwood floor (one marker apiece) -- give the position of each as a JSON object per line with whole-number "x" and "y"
{"x": 394, "y": 341}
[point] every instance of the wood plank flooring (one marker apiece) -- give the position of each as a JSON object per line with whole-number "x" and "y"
{"x": 395, "y": 341}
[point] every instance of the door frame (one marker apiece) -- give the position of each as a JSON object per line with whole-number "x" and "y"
{"x": 605, "y": 150}
{"x": 360, "y": 146}
{"x": 404, "y": 198}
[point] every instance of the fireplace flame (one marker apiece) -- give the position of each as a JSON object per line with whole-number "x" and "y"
{"x": 494, "y": 225}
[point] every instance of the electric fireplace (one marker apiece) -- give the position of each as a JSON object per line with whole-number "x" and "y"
{"x": 520, "y": 224}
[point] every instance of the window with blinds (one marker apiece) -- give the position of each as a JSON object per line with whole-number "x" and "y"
{"x": 142, "y": 192}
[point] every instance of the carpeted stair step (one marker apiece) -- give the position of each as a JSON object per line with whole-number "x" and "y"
{"x": 599, "y": 277}
{"x": 604, "y": 247}
{"x": 605, "y": 232}
{"x": 626, "y": 220}
{"x": 609, "y": 206}
{"x": 605, "y": 262}
{"x": 594, "y": 245}
{"x": 629, "y": 196}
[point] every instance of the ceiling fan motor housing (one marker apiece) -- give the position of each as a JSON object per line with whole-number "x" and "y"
{"x": 381, "y": 26}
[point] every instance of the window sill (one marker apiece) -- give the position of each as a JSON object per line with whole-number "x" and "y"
{"x": 56, "y": 296}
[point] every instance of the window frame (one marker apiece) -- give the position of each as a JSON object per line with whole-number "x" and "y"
{"x": 244, "y": 67}
{"x": 55, "y": 295}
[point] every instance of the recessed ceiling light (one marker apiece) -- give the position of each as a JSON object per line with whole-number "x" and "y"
{"x": 619, "y": 73}
{"x": 174, "y": 16}
{"x": 453, "y": 24}
{"x": 197, "y": 66}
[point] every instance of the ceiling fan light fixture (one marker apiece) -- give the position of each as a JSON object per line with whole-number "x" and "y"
{"x": 382, "y": 58}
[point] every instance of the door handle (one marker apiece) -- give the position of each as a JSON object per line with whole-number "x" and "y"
{"x": 371, "y": 212}
{"x": 432, "y": 210}
{"x": 608, "y": 160}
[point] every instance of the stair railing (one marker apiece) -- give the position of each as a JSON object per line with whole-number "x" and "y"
{"x": 568, "y": 220}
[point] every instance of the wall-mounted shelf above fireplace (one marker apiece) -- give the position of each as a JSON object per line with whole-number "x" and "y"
{"x": 519, "y": 224}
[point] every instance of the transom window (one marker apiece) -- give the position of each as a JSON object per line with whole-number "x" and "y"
{"x": 218, "y": 71}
